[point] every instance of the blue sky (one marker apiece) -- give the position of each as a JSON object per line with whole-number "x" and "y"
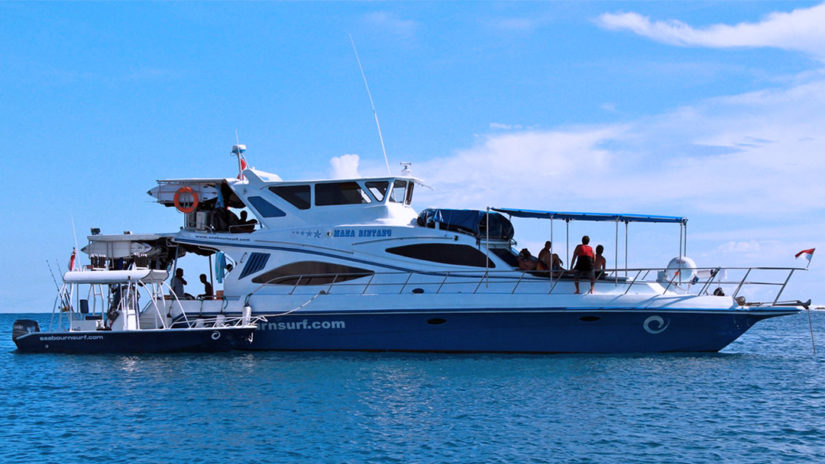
{"x": 710, "y": 110}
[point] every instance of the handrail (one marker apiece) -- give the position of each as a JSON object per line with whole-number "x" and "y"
{"x": 524, "y": 282}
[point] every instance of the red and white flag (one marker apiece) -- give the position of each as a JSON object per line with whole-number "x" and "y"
{"x": 71, "y": 260}
{"x": 807, "y": 254}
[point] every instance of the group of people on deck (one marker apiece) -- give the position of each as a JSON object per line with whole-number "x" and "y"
{"x": 585, "y": 262}
{"x": 178, "y": 282}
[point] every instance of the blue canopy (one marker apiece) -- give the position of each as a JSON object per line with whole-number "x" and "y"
{"x": 469, "y": 221}
{"x": 568, "y": 216}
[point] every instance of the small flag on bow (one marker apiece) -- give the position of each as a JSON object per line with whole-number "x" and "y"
{"x": 807, "y": 254}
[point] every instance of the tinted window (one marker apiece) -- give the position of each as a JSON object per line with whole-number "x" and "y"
{"x": 507, "y": 255}
{"x": 311, "y": 273}
{"x": 297, "y": 195}
{"x": 410, "y": 193}
{"x": 340, "y": 193}
{"x": 378, "y": 189}
{"x": 398, "y": 190}
{"x": 266, "y": 208}
{"x": 460, "y": 255}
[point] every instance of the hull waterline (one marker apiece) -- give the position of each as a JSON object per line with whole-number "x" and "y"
{"x": 513, "y": 331}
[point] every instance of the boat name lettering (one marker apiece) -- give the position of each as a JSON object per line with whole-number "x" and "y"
{"x": 56, "y": 338}
{"x": 224, "y": 239}
{"x": 362, "y": 233}
{"x": 302, "y": 325}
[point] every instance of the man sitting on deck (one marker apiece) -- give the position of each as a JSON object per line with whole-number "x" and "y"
{"x": 544, "y": 259}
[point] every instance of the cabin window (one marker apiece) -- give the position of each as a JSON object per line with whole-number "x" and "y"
{"x": 409, "y": 193}
{"x": 445, "y": 253}
{"x": 311, "y": 273}
{"x": 266, "y": 208}
{"x": 255, "y": 263}
{"x": 378, "y": 189}
{"x": 508, "y": 255}
{"x": 340, "y": 193}
{"x": 297, "y": 195}
{"x": 399, "y": 189}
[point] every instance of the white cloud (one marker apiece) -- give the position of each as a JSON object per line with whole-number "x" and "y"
{"x": 755, "y": 154}
{"x": 500, "y": 126}
{"x": 344, "y": 166}
{"x": 519, "y": 24}
{"x": 392, "y": 23}
{"x": 800, "y": 30}
{"x": 750, "y": 246}
{"x": 515, "y": 167}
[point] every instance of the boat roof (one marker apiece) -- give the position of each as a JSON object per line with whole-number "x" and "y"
{"x": 194, "y": 180}
{"x": 115, "y": 277}
{"x": 593, "y": 217}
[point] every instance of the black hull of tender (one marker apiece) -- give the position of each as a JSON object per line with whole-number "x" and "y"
{"x": 142, "y": 341}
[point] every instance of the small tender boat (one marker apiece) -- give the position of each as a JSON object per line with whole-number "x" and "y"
{"x": 107, "y": 318}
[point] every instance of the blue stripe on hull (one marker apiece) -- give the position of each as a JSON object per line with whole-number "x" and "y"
{"x": 639, "y": 331}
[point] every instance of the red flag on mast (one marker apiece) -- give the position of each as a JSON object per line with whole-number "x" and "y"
{"x": 807, "y": 254}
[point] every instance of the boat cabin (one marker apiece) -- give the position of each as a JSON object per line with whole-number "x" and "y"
{"x": 263, "y": 200}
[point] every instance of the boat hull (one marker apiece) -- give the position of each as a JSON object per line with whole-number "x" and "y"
{"x": 142, "y": 341}
{"x": 514, "y": 331}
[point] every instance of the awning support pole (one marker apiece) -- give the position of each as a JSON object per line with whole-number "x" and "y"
{"x": 487, "y": 254}
{"x": 626, "y": 235}
{"x": 616, "y": 252}
{"x": 679, "y": 268}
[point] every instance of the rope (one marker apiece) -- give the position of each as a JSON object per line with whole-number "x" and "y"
{"x": 301, "y": 306}
{"x": 811, "y": 327}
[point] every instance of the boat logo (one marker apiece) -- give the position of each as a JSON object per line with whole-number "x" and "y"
{"x": 216, "y": 335}
{"x": 655, "y": 325}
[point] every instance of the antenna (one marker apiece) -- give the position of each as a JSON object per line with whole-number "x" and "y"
{"x": 239, "y": 149}
{"x": 74, "y": 252}
{"x": 372, "y": 104}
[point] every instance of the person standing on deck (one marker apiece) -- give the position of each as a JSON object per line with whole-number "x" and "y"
{"x": 582, "y": 262}
{"x": 178, "y": 283}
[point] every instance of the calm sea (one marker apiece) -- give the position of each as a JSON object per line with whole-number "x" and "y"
{"x": 761, "y": 400}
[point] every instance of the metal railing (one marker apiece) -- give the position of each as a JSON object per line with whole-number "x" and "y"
{"x": 698, "y": 281}
{"x": 217, "y": 321}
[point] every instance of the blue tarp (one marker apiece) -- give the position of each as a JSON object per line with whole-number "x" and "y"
{"x": 469, "y": 221}
{"x": 570, "y": 216}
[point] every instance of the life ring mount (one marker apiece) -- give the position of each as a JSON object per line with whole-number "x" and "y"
{"x": 186, "y": 206}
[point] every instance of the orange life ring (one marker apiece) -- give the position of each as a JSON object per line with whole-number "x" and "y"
{"x": 186, "y": 209}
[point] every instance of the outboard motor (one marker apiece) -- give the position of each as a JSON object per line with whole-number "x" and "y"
{"x": 22, "y": 327}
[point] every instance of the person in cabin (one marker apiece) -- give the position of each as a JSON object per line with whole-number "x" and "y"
{"x": 544, "y": 259}
{"x": 207, "y": 289}
{"x": 599, "y": 262}
{"x": 246, "y": 225}
{"x": 232, "y": 220}
{"x": 526, "y": 261}
{"x": 178, "y": 282}
{"x": 582, "y": 262}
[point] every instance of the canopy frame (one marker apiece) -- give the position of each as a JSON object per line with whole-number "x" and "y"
{"x": 568, "y": 216}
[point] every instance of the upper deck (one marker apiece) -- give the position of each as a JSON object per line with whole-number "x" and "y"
{"x": 207, "y": 203}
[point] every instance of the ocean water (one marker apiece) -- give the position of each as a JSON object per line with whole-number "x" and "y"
{"x": 761, "y": 400}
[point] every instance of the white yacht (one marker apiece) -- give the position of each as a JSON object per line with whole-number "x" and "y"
{"x": 350, "y": 265}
